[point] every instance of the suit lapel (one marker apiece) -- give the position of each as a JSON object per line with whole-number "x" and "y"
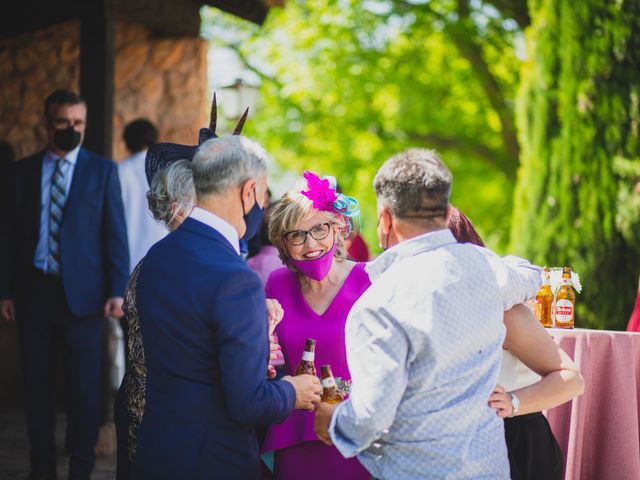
{"x": 80, "y": 179}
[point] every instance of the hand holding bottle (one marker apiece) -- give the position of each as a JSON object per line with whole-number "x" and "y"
{"x": 308, "y": 390}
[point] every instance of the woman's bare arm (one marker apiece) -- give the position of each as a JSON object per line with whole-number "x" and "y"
{"x": 531, "y": 344}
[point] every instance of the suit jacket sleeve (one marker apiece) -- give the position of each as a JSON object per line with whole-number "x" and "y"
{"x": 115, "y": 231}
{"x": 242, "y": 331}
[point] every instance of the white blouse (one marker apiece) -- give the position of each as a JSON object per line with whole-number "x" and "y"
{"x": 514, "y": 374}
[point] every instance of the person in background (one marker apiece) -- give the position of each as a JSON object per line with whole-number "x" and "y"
{"x": 7, "y": 156}
{"x": 266, "y": 260}
{"x": 634, "y": 320}
{"x": 143, "y": 231}
{"x": 357, "y": 249}
{"x": 354, "y": 244}
{"x": 254, "y": 244}
{"x": 64, "y": 265}
{"x": 536, "y": 375}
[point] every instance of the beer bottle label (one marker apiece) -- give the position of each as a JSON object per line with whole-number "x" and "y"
{"x": 565, "y": 281}
{"x": 308, "y": 356}
{"x": 564, "y": 311}
{"x": 328, "y": 382}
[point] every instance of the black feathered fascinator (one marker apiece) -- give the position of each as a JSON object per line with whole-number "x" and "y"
{"x": 162, "y": 155}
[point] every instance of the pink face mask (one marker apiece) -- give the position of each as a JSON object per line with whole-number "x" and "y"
{"x": 318, "y": 268}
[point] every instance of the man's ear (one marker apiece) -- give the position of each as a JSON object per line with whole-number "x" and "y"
{"x": 247, "y": 191}
{"x": 385, "y": 219}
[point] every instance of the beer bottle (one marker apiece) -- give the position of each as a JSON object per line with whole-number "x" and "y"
{"x": 544, "y": 301}
{"x": 565, "y": 301}
{"x": 330, "y": 392}
{"x": 306, "y": 364}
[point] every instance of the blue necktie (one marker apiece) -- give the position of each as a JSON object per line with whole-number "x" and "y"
{"x": 56, "y": 206}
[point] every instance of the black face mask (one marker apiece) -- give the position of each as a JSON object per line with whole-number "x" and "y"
{"x": 66, "y": 139}
{"x": 253, "y": 219}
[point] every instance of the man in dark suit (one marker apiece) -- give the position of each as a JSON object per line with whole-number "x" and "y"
{"x": 64, "y": 265}
{"x": 205, "y": 332}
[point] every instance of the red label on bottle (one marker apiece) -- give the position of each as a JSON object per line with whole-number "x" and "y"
{"x": 564, "y": 311}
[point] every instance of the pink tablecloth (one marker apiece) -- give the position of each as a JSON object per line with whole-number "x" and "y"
{"x": 599, "y": 432}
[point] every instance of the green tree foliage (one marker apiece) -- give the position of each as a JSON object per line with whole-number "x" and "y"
{"x": 347, "y": 83}
{"x": 578, "y": 110}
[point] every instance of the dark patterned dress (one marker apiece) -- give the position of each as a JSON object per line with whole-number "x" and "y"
{"x": 130, "y": 401}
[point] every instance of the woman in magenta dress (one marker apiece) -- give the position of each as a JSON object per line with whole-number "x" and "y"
{"x": 316, "y": 289}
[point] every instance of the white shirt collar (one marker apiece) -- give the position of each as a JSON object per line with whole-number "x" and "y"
{"x": 407, "y": 248}
{"x": 72, "y": 156}
{"x": 221, "y": 226}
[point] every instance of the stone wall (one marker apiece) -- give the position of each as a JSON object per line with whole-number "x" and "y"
{"x": 162, "y": 79}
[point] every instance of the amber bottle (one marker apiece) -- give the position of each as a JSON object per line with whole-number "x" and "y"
{"x": 330, "y": 392}
{"x": 306, "y": 364}
{"x": 565, "y": 301}
{"x": 544, "y": 301}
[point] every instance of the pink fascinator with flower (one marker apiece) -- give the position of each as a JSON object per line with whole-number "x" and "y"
{"x": 322, "y": 193}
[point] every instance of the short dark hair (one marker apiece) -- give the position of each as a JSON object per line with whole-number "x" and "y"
{"x": 414, "y": 184}
{"x": 140, "y": 134}
{"x": 64, "y": 97}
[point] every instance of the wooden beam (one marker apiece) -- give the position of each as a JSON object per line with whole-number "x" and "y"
{"x": 97, "y": 67}
{"x": 253, "y": 10}
{"x": 27, "y": 16}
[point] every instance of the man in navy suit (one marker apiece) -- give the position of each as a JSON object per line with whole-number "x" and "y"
{"x": 64, "y": 264}
{"x": 205, "y": 332}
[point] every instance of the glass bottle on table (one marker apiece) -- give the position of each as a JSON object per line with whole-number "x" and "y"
{"x": 306, "y": 364}
{"x": 544, "y": 301}
{"x": 330, "y": 392}
{"x": 565, "y": 301}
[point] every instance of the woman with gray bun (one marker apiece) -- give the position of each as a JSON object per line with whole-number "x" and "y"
{"x": 171, "y": 199}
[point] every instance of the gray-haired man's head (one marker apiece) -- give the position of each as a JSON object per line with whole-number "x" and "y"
{"x": 226, "y": 162}
{"x": 414, "y": 185}
{"x": 230, "y": 176}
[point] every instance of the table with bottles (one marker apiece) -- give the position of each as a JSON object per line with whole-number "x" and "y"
{"x": 599, "y": 431}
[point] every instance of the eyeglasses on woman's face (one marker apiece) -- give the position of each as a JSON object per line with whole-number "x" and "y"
{"x": 299, "y": 237}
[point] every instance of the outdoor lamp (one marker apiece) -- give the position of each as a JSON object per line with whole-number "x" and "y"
{"x": 235, "y": 98}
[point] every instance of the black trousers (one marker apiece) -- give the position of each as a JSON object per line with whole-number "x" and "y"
{"x": 47, "y": 325}
{"x": 534, "y": 453}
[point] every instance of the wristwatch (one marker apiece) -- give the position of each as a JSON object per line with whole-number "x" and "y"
{"x": 515, "y": 401}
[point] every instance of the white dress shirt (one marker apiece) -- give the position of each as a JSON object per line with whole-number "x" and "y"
{"x": 223, "y": 227}
{"x": 424, "y": 347}
{"x": 142, "y": 229}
